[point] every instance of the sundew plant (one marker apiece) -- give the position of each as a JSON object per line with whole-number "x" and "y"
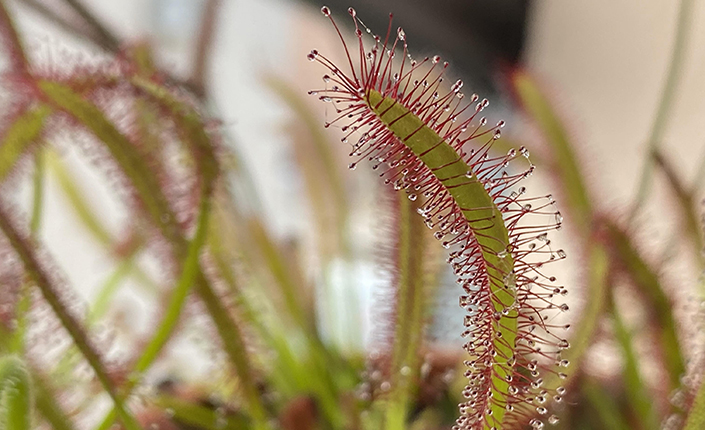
{"x": 434, "y": 145}
{"x": 449, "y": 189}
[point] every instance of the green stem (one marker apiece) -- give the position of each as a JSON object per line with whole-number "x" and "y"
{"x": 668, "y": 92}
{"x": 180, "y": 292}
{"x": 110, "y": 286}
{"x": 234, "y": 346}
{"x": 176, "y": 303}
{"x": 37, "y": 192}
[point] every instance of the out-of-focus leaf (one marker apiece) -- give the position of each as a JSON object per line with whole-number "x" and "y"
{"x": 692, "y": 230}
{"x": 48, "y": 406}
{"x": 311, "y": 371}
{"x": 411, "y": 289}
{"x": 564, "y": 162}
{"x": 27, "y": 256}
{"x": 77, "y": 200}
{"x": 596, "y": 300}
{"x": 20, "y": 136}
{"x": 132, "y": 164}
{"x": 200, "y": 417}
{"x": 603, "y": 406}
{"x": 37, "y": 192}
{"x": 329, "y": 173}
{"x": 16, "y": 394}
{"x": 90, "y": 220}
{"x": 696, "y": 416}
{"x": 654, "y": 297}
{"x": 180, "y": 291}
{"x": 665, "y": 104}
{"x": 638, "y": 393}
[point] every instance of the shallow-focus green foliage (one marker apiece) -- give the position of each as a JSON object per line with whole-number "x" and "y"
{"x": 252, "y": 298}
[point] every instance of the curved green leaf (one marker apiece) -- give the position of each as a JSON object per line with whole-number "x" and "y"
{"x": 481, "y": 213}
{"x": 15, "y": 395}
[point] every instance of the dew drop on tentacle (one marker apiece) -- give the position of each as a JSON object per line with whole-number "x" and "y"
{"x": 325, "y": 11}
{"x": 312, "y": 55}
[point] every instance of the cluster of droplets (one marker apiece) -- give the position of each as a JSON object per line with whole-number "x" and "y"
{"x": 458, "y": 120}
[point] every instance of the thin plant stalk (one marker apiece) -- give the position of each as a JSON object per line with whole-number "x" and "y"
{"x": 665, "y": 104}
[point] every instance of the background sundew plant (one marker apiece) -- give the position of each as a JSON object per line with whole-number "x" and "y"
{"x": 184, "y": 243}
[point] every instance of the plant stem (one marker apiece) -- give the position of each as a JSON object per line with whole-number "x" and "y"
{"x": 663, "y": 109}
{"x": 37, "y": 192}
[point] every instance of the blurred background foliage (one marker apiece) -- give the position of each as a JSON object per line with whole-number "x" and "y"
{"x": 183, "y": 247}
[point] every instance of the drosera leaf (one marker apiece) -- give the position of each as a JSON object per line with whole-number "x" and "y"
{"x": 16, "y": 394}
{"x": 564, "y": 160}
{"x": 87, "y": 216}
{"x": 638, "y": 393}
{"x": 180, "y": 291}
{"x": 657, "y": 303}
{"x": 597, "y": 259}
{"x": 198, "y": 416}
{"x": 43, "y": 281}
{"x": 605, "y": 409}
{"x": 432, "y": 143}
{"x": 318, "y": 160}
{"x": 44, "y": 396}
{"x": 37, "y": 192}
{"x": 292, "y": 372}
{"x": 123, "y": 152}
{"x": 411, "y": 299}
{"x": 160, "y": 214}
{"x": 47, "y": 405}
{"x": 20, "y": 137}
{"x": 690, "y": 220}
{"x": 696, "y": 415}
{"x": 578, "y": 202}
